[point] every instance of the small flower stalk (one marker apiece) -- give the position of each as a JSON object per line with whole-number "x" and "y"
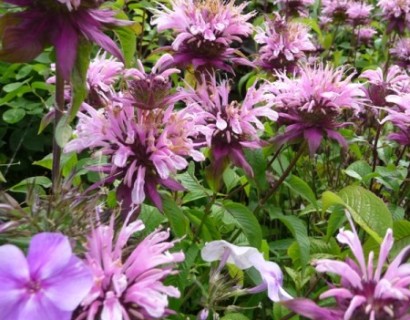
{"x": 367, "y": 289}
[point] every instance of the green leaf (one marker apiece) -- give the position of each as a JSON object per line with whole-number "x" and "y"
{"x": 63, "y": 132}
{"x": 79, "y": 77}
{"x": 128, "y": 41}
{"x": 401, "y": 232}
{"x": 176, "y": 217}
{"x": 234, "y": 316}
{"x": 12, "y": 86}
{"x": 299, "y": 231}
{"x": 367, "y": 210}
{"x": 25, "y": 184}
{"x": 299, "y": 186}
{"x": 245, "y": 220}
{"x": 359, "y": 170}
{"x": 14, "y": 115}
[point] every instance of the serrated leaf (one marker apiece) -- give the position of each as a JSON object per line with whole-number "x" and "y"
{"x": 301, "y": 188}
{"x": 79, "y": 77}
{"x": 247, "y": 221}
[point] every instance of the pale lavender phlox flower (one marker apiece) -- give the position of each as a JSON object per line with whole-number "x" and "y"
{"x": 358, "y": 13}
{"x": 310, "y": 104}
{"x": 364, "y": 35}
{"x": 229, "y": 126}
{"x": 400, "y": 118}
{"x": 244, "y": 258}
{"x": 294, "y": 8}
{"x": 62, "y": 24}
{"x": 396, "y": 12}
{"x": 381, "y": 85}
{"x": 401, "y": 52}
{"x": 152, "y": 90}
{"x": 145, "y": 147}
{"x": 283, "y": 44}
{"x": 205, "y": 31}
{"x": 367, "y": 290}
{"x": 49, "y": 284}
{"x": 129, "y": 285}
{"x": 336, "y": 10}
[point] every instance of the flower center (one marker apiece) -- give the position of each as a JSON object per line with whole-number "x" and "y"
{"x": 33, "y": 287}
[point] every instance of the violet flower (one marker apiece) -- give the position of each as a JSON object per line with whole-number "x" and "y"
{"x": 401, "y": 52}
{"x": 358, "y": 13}
{"x": 364, "y": 35}
{"x": 400, "y": 118}
{"x": 310, "y": 105}
{"x": 145, "y": 148}
{"x": 283, "y": 44}
{"x": 129, "y": 285}
{"x": 205, "y": 32}
{"x": 49, "y": 284}
{"x": 229, "y": 127}
{"x": 396, "y": 13}
{"x": 294, "y": 8}
{"x": 153, "y": 90}
{"x": 336, "y": 10}
{"x": 62, "y": 24}
{"x": 366, "y": 290}
{"x": 244, "y": 258}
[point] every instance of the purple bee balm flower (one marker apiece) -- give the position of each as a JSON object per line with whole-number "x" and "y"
{"x": 358, "y": 13}
{"x": 283, "y": 44}
{"x": 145, "y": 147}
{"x": 244, "y": 258}
{"x": 62, "y": 24}
{"x": 128, "y": 284}
{"x": 228, "y": 127}
{"x": 310, "y": 105}
{"x": 49, "y": 284}
{"x": 205, "y": 31}
{"x": 366, "y": 290}
{"x": 336, "y": 10}
{"x": 400, "y": 117}
{"x": 294, "y": 8}
{"x": 396, "y": 13}
{"x": 401, "y": 52}
{"x": 379, "y": 85}
{"x": 153, "y": 90}
{"x": 364, "y": 35}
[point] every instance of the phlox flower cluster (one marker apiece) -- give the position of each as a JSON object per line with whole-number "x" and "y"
{"x": 310, "y": 104}
{"x": 129, "y": 285}
{"x": 282, "y": 44}
{"x": 366, "y": 289}
{"x": 229, "y": 126}
{"x": 205, "y": 31}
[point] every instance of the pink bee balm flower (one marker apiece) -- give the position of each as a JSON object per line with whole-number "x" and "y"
{"x": 49, "y": 284}
{"x": 400, "y": 117}
{"x": 283, "y": 44}
{"x": 358, "y": 13}
{"x": 401, "y": 52}
{"x": 379, "y": 85}
{"x": 153, "y": 90}
{"x": 244, "y": 258}
{"x": 310, "y": 105}
{"x": 366, "y": 290}
{"x": 336, "y": 10}
{"x": 129, "y": 285}
{"x": 228, "y": 127}
{"x": 205, "y": 31}
{"x": 294, "y": 8}
{"x": 396, "y": 12}
{"x": 145, "y": 147}
{"x": 62, "y": 24}
{"x": 365, "y": 34}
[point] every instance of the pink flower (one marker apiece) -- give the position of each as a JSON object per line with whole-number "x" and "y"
{"x": 400, "y": 117}
{"x": 145, "y": 148}
{"x": 396, "y": 12}
{"x": 228, "y": 127}
{"x": 49, "y": 284}
{"x": 283, "y": 44}
{"x": 205, "y": 31}
{"x": 336, "y": 10}
{"x": 401, "y": 52}
{"x": 294, "y": 8}
{"x": 63, "y": 24}
{"x": 153, "y": 90}
{"x": 358, "y": 13}
{"x": 365, "y": 34}
{"x": 129, "y": 285}
{"x": 310, "y": 105}
{"x": 366, "y": 290}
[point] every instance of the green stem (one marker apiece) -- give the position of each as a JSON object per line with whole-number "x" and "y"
{"x": 207, "y": 211}
{"x": 59, "y": 96}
